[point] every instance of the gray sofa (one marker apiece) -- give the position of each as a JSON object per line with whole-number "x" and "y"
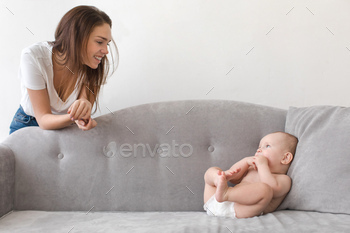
{"x": 141, "y": 170}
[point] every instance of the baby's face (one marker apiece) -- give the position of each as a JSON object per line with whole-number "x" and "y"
{"x": 272, "y": 146}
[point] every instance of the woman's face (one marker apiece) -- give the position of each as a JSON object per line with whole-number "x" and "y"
{"x": 97, "y": 46}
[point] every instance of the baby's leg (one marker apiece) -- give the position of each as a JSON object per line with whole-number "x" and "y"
{"x": 222, "y": 188}
{"x": 260, "y": 197}
{"x": 210, "y": 178}
{"x": 250, "y": 199}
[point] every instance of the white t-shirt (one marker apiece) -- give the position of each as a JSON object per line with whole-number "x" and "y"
{"x": 36, "y": 73}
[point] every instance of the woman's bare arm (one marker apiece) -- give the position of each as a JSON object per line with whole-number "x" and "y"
{"x": 42, "y": 111}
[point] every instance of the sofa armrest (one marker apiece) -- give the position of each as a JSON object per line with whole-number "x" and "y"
{"x": 7, "y": 179}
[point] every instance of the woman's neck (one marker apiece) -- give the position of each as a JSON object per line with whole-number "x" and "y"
{"x": 64, "y": 79}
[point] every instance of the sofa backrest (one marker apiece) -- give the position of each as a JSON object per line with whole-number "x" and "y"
{"x": 150, "y": 157}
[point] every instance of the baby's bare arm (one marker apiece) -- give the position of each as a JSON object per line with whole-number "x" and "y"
{"x": 236, "y": 173}
{"x": 284, "y": 184}
{"x": 280, "y": 183}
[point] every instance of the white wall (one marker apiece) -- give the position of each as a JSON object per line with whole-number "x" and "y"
{"x": 282, "y": 53}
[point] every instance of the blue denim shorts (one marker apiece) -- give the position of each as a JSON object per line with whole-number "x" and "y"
{"x": 21, "y": 120}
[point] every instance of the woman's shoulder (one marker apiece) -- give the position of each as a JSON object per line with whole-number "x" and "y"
{"x": 39, "y": 49}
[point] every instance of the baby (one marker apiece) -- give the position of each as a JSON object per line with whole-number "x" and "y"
{"x": 261, "y": 180}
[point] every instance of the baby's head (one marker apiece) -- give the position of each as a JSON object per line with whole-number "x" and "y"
{"x": 279, "y": 149}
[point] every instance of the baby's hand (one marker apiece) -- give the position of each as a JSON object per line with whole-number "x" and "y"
{"x": 251, "y": 162}
{"x": 230, "y": 173}
{"x": 260, "y": 160}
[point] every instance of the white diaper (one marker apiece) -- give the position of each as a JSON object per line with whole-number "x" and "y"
{"x": 220, "y": 209}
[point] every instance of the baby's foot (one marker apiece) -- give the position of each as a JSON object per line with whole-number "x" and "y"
{"x": 221, "y": 187}
{"x": 231, "y": 173}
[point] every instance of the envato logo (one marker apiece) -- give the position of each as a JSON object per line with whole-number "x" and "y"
{"x": 163, "y": 150}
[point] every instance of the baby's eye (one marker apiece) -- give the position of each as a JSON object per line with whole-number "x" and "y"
{"x": 268, "y": 146}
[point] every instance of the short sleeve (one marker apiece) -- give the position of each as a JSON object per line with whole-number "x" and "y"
{"x": 30, "y": 73}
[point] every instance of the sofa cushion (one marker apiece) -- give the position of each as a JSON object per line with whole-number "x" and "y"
{"x": 170, "y": 222}
{"x": 320, "y": 169}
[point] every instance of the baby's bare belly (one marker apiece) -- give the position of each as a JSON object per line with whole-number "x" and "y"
{"x": 252, "y": 176}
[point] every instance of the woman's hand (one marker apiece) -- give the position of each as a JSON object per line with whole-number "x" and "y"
{"x": 80, "y": 109}
{"x": 86, "y": 124}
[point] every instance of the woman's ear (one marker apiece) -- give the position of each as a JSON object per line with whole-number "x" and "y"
{"x": 287, "y": 158}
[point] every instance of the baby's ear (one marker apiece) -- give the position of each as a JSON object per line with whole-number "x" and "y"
{"x": 287, "y": 158}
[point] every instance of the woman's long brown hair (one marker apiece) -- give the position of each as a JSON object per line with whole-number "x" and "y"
{"x": 71, "y": 39}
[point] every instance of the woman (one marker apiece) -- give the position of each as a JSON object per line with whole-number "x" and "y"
{"x": 61, "y": 80}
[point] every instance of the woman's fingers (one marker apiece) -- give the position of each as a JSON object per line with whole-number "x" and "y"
{"x": 86, "y": 124}
{"x": 80, "y": 109}
{"x": 78, "y": 113}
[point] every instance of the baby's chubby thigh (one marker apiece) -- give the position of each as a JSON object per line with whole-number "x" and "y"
{"x": 255, "y": 197}
{"x": 210, "y": 178}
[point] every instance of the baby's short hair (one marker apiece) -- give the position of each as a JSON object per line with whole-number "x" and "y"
{"x": 291, "y": 142}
